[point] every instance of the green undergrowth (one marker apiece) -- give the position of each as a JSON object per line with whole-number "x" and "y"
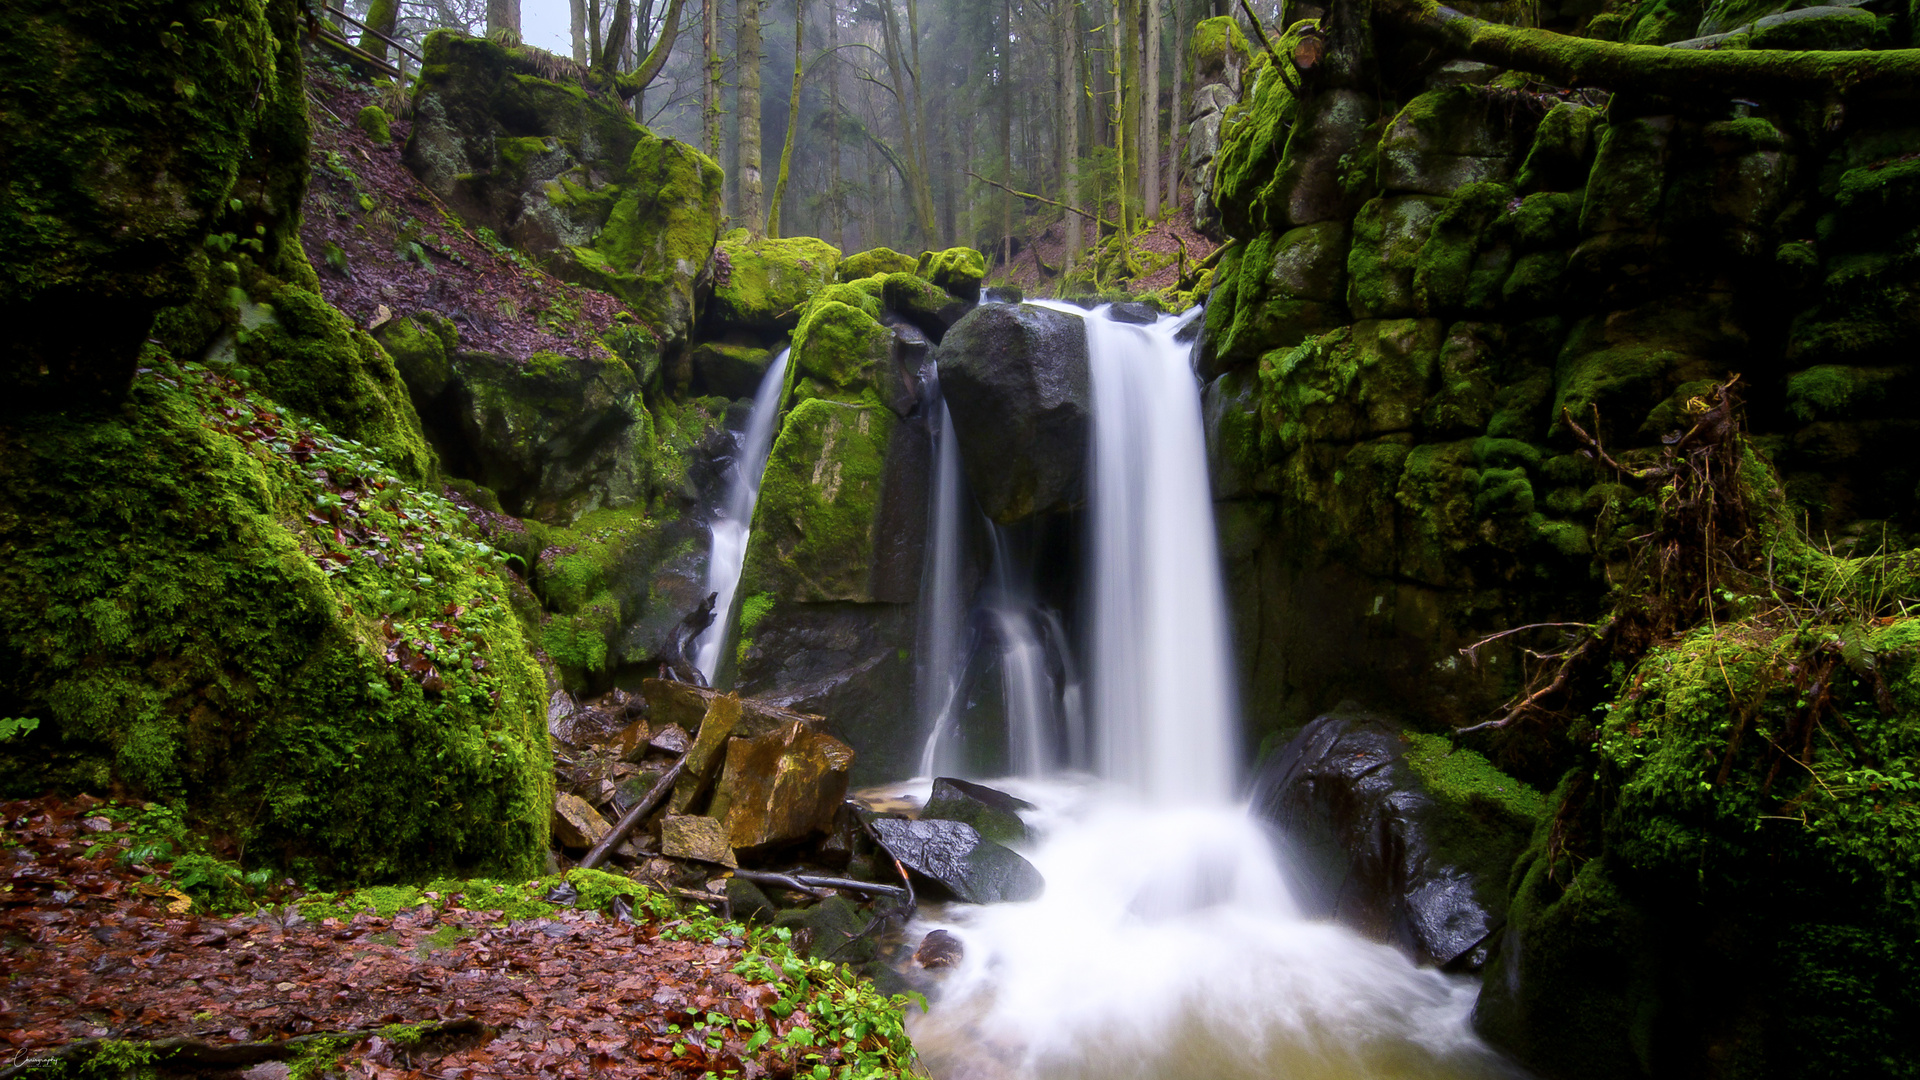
{"x": 217, "y": 604}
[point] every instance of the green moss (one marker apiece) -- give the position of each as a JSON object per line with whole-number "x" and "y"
{"x": 1562, "y": 146}
{"x": 190, "y": 635}
{"x": 814, "y": 525}
{"x": 873, "y": 261}
{"x": 958, "y": 270}
{"x": 1388, "y": 236}
{"x": 753, "y": 609}
{"x": 841, "y": 345}
{"x": 770, "y": 281}
{"x": 1253, "y": 142}
{"x": 1444, "y": 267}
{"x": 374, "y": 121}
{"x": 1218, "y": 45}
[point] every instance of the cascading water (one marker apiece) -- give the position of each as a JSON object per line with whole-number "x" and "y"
{"x": 943, "y": 603}
{"x": 734, "y": 521}
{"x": 1168, "y": 943}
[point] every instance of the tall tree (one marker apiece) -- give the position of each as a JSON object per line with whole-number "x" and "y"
{"x": 504, "y": 15}
{"x": 1150, "y": 115}
{"x": 710, "y": 107}
{"x": 836, "y": 198}
{"x": 793, "y": 117}
{"x": 912, "y": 122}
{"x": 1006, "y": 133}
{"x": 1177, "y": 112}
{"x": 747, "y": 113}
{"x": 382, "y": 15}
{"x": 577, "y": 15}
{"x": 1070, "y": 96}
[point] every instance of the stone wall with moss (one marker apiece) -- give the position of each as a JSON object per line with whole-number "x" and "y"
{"x": 228, "y": 579}
{"x": 1433, "y": 269}
{"x": 1442, "y": 275}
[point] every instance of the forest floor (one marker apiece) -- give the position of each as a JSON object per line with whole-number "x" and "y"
{"x": 94, "y": 946}
{"x": 401, "y": 249}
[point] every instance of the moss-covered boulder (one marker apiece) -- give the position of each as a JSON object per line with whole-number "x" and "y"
{"x": 160, "y": 125}
{"x": 760, "y": 286}
{"x": 815, "y": 524}
{"x": 1732, "y": 886}
{"x": 731, "y": 368}
{"x": 567, "y": 176}
{"x": 1445, "y": 139}
{"x": 213, "y": 602}
{"x": 878, "y": 260}
{"x": 957, "y": 270}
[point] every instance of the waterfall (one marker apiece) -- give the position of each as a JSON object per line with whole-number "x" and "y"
{"x": 1168, "y": 942}
{"x": 1162, "y": 685}
{"x": 733, "y": 522}
{"x": 943, "y": 604}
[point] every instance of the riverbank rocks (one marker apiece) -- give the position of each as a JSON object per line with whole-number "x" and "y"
{"x": 782, "y": 787}
{"x": 1411, "y": 839}
{"x": 1016, "y": 382}
{"x": 993, "y": 814}
{"x": 511, "y": 140}
{"x": 955, "y": 859}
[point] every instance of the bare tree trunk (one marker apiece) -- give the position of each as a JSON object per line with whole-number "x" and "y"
{"x": 836, "y": 198}
{"x": 710, "y": 81}
{"x": 793, "y": 116}
{"x": 1070, "y": 95}
{"x": 747, "y": 106}
{"x": 1123, "y": 177}
{"x": 593, "y": 31}
{"x": 1150, "y": 116}
{"x": 1177, "y": 112}
{"x": 504, "y": 15}
{"x": 1006, "y": 134}
{"x": 905, "y": 82}
{"x": 577, "y": 15}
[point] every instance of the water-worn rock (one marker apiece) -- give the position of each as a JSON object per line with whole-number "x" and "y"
{"x": 1411, "y": 845}
{"x": 677, "y": 708}
{"x": 781, "y": 787}
{"x": 766, "y": 282}
{"x": 993, "y": 814}
{"x": 576, "y": 824}
{"x": 691, "y": 836}
{"x": 957, "y": 859}
{"x": 1016, "y": 383}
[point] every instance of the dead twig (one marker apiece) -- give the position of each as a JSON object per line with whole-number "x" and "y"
{"x": 632, "y": 817}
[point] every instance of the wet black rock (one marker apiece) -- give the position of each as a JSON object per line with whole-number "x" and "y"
{"x": 1016, "y": 381}
{"x": 957, "y": 860}
{"x": 993, "y": 814}
{"x": 1386, "y": 856}
{"x": 1135, "y": 312}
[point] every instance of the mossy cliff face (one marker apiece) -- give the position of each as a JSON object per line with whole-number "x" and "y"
{"x": 131, "y": 129}
{"x": 1424, "y": 283}
{"x": 228, "y": 590}
{"x": 514, "y": 144}
{"x": 1435, "y": 276}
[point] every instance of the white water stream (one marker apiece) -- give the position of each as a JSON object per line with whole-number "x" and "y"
{"x": 733, "y": 522}
{"x": 1168, "y": 942}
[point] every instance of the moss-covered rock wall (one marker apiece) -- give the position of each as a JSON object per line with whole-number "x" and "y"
{"x": 228, "y": 578}
{"x": 1425, "y": 282}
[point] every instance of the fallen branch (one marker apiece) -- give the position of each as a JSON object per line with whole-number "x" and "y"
{"x": 632, "y": 817}
{"x": 785, "y": 881}
{"x": 1041, "y": 198}
{"x": 184, "y": 1050}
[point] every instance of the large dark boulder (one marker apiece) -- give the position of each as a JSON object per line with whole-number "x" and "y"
{"x": 1016, "y": 382}
{"x": 1407, "y": 840}
{"x": 951, "y": 856}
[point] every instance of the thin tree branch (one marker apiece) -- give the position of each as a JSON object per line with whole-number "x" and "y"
{"x": 1040, "y": 198}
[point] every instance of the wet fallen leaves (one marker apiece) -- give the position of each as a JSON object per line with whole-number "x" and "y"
{"x": 89, "y": 951}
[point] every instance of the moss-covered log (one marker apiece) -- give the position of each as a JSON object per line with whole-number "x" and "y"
{"x": 1578, "y": 61}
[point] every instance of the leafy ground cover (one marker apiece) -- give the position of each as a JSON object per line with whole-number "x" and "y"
{"x": 118, "y": 961}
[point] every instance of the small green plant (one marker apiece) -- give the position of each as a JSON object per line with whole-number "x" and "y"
{"x": 11, "y": 726}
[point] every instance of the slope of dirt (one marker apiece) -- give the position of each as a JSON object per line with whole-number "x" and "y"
{"x": 407, "y": 252}
{"x": 93, "y": 952}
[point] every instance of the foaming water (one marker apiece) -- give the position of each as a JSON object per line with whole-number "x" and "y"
{"x": 1168, "y": 945}
{"x": 734, "y": 521}
{"x": 943, "y": 603}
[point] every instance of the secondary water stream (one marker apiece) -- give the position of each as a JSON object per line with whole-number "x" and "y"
{"x": 732, "y": 523}
{"x": 1168, "y": 942}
